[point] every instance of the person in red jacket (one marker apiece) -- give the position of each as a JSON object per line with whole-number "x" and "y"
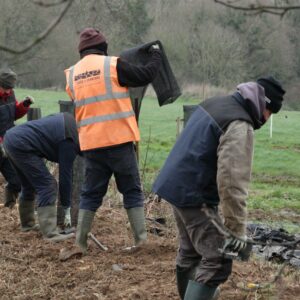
{"x": 10, "y": 110}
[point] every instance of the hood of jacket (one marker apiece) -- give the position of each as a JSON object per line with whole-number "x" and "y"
{"x": 254, "y": 101}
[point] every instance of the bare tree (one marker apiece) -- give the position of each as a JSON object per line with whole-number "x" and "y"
{"x": 44, "y": 33}
{"x": 274, "y": 7}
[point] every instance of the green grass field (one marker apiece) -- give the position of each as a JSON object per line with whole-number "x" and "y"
{"x": 276, "y": 168}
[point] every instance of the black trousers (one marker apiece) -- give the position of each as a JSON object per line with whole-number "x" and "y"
{"x": 10, "y": 175}
{"x": 34, "y": 175}
{"x": 100, "y": 165}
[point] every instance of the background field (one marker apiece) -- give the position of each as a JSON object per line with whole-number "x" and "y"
{"x": 274, "y": 193}
{"x": 30, "y": 268}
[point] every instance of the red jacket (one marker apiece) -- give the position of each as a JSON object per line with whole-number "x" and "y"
{"x": 10, "y": 110}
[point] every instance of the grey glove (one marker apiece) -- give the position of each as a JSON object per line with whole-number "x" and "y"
{"x": 28, "y": 101}
{"x": 67, "y": 221}
{"x": 2, "y": 151}
{"x": 235, "y": 244}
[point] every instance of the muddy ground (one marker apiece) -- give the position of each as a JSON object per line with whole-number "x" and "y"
{"x": 30, "y": 268}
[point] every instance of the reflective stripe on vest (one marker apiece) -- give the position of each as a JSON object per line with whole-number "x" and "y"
{"x": 104, "y": 118}
{"x": 109, "y": 93}
{"x": 71, "y": 72}
{"x": 102, "y": 107}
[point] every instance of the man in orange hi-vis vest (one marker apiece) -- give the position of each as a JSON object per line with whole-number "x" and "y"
{"x": 98, "y": 85}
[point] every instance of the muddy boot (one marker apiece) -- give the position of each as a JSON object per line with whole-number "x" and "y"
{"x": 183, "y": 275}
{"x": 10, "y": 198}
{"x": 26, "y": 212}
{"x": 137, "y": 222}
{"x": 84, "y": 225}
{"x": 47, "y": 220}
{"x": 200, "y": 291}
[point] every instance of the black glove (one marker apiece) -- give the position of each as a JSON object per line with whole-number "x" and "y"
{"x": 28, "y": 101}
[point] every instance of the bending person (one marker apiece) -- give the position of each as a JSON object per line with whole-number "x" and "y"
{"x": 53, "y": 138}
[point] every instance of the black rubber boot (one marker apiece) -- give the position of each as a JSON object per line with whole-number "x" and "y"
{"x": 48, "y": 220}
{"x": 183, "y": 275}
{"x": 84, "y": 225}
{"x": 10, "y": 198}
{"x": 199, "y": 291}
{"x": 26, "y": 212}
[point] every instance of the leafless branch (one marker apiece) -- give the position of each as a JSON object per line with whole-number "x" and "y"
{"x": 280, "y": 10}
{"x": 42, "y": 35}
{"x": 43, "y": 4}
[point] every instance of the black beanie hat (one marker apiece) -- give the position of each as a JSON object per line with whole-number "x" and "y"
{"x": 273, "y": 91}
{"x": 8, "y": 78}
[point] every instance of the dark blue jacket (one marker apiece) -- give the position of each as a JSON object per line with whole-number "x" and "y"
{"x": 43, "y": 136}
{"x": 7, "y": 113}
{"x": 188, "y": 177}
{"x": 55, "y": 138}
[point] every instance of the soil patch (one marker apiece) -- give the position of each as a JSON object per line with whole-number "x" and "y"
{"x": 30, "y": 268}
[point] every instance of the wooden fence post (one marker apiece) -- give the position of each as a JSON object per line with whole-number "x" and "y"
{"x": 68, "y": 106}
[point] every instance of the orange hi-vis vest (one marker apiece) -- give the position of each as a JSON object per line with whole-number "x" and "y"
{"x": 103, "y": 108}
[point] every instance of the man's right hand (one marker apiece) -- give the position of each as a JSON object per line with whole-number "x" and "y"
{"x": 67, "y": 220}
{"x": 235, "y": 244}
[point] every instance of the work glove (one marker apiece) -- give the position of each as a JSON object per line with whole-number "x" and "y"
{"x": 153, "y": 48}
{"x": 28, "y": 101}
{"x": 2, "y": 151}
{"x": 235, "y": 244}
{"x": 67, "y": 221}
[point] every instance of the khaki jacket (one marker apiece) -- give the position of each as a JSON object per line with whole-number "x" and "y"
{"x": 235, "y": 153}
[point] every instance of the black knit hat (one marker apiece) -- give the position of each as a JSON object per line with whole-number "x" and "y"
{"x": 273, "y": 91}
{"x": 8, "y": 78}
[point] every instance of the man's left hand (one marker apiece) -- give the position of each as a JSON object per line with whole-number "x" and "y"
{"x": 154, "y": 48}
{"x": 28, "y": 101}
{"x": 2, "y": 151}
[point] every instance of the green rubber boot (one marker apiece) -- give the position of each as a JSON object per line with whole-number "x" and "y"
{"x": 137, "y": 222}
{"x": 183, "y": 275}
{"x": 26, "y": 212}
{"x": 200, "y": 291}
{"x": 48, "y": 219}
{"x": 84, "y": 225}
